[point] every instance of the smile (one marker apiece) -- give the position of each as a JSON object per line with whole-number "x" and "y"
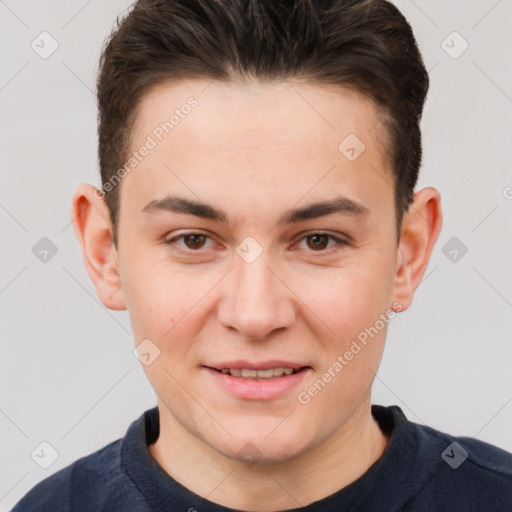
{"x": 267, "y": 383}
{"x": 247, "y": 373}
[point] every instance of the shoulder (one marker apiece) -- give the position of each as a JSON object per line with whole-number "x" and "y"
{"x": 487, "y": 456}
{"x": 469, "y": 453}
{"x": 427, "y": 469}
{"x": 96, "y": 482}
{"x": 466, "y": 473}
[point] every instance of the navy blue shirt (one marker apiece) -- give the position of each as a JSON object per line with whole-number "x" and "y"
{"x": 420, "y": 470}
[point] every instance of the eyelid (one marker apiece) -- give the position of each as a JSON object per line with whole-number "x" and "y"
{"x": 175, "y": 238}
{"x": 339, "y": 239}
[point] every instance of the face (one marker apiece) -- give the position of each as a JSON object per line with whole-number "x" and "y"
{"x": 226, "y": 264}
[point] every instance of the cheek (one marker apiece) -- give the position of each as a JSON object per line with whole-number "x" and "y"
{"x": 158, "y": 301}
{"x": 348, "y": 308}
{"x": 346, "y": 302}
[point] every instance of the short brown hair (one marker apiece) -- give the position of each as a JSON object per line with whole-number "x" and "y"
{"x": 364, "y": 45}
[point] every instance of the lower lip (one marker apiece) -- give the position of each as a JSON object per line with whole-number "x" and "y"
{"x": 254, "y": 389}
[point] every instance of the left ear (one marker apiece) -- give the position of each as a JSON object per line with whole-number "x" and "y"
{"x": 421, "y": 226}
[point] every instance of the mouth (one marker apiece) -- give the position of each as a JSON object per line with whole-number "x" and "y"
{"x": 257, "y": 381}
{"x": 267, "y": 374}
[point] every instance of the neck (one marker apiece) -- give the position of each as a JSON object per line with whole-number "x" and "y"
{"x": 316, "y": 474}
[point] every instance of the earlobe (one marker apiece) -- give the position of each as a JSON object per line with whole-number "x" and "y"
{"x": 421, "y": 226}
{"x": 93, "y": 228}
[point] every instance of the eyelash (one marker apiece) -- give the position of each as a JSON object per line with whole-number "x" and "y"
{"x": 338, "y": 241}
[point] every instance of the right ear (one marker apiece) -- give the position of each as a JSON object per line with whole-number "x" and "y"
{"x": 93, "y": 228}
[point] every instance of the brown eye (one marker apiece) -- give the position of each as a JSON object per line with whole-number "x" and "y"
{"x": 195, "y": 241}
{"x": 322, "y": 242}
{"x": 316, "y": 242}
{"x": 190, "y": 241}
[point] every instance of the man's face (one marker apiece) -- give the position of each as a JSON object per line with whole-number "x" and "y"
{"x": 259, "y": 288}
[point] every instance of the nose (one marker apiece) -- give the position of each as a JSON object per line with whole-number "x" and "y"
{"x": 256, "y": 301}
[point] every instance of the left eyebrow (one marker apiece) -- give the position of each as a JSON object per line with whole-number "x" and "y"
{"x": 311, "y": 211}
{"x": 182, "y": 205}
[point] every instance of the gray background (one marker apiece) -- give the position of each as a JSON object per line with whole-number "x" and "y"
{"x": 68, "y": 375}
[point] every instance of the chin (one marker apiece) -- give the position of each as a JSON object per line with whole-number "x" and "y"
{"x": 256, "y": 455}
{"x": 270, "y": 447}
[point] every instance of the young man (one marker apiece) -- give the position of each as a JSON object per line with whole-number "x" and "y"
{"x": 258, "y": 220}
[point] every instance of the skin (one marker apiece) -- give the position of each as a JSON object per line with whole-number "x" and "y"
{"x": 257, "y": 150}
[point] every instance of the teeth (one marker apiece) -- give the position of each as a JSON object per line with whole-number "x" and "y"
{"x": 265, "y": 374}
{"x": 257, "y": 374}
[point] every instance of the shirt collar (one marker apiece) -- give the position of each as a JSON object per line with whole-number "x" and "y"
{"x": 397, "y": 475}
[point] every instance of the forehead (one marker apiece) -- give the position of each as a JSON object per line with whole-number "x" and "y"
{"x": 267, "y": 111}
{"x": 282, "y": 135}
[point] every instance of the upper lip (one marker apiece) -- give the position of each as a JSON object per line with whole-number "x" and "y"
{"x": 262, "y": 365}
